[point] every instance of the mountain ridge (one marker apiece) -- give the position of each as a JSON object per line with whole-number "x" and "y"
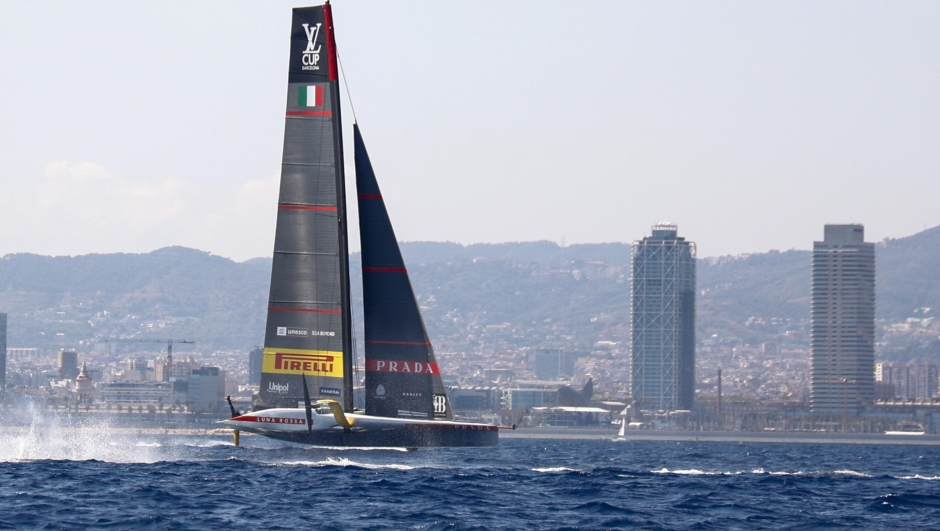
{"x": 573, "y": 295}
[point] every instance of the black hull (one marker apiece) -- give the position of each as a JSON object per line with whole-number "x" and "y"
{"x": 392, "y": 438}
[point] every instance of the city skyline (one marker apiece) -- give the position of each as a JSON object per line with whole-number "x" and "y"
{"x": 174, "y": 138}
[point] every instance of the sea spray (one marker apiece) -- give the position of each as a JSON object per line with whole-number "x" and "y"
{"x": 45, "y": 435}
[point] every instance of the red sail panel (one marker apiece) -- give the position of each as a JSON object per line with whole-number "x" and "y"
{"x": 402, "y": 376}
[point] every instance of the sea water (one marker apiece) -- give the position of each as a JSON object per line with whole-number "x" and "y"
{"x": 95, "y": 477}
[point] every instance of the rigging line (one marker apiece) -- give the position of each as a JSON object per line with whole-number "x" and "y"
{"x": 355, "y": 356}
{"x": 346, "y": 84}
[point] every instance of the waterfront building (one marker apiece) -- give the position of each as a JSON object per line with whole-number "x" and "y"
{"x": 168, "y": 369}
{"x": 663, "y": 320}
{"x": 206, "y": 389}
{"x": 84, "y": 386}
{"x": 140, "y": 393}
{"x": 21, "y": 354}
{"x": 67, "y": 363}
{"x": 842, "y": 322}
{"x": 255, "y": 359}
{"x": 548, "y": 363}
{"x": 554, "y": 363}
{"x": 529, "y": 394}
{"x": 907, "y": 381}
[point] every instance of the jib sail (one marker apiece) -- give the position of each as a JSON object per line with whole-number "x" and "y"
{"x": 308, "y": 326}
{"x": 402, "y": 376}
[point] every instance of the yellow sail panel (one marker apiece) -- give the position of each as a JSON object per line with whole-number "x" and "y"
{"x": 299, "y": 362}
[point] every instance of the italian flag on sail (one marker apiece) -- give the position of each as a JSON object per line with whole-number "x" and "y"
{"x": 310, "y": 96}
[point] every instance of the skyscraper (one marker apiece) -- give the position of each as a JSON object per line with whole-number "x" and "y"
{"x": 843, "y": 321}
{"x": 255, "y": 359}
{"x": 663, "y": 321}
{"x": 67, "y": 364}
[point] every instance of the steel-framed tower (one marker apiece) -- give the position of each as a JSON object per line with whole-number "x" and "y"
{"x": 663, "y": 320}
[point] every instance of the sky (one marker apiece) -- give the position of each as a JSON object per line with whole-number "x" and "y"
{"x": 131, "y": 126}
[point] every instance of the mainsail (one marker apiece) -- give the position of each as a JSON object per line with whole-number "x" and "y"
{"x": 402, "y": 376}
{"x": 308, "y": 329}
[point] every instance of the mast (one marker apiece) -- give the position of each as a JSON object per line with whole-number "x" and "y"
{"x": 343, "y": 228}
{"x": 308, "y": 333}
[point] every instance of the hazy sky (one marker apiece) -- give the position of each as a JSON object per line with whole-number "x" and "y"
{"x": 126, "y": 127}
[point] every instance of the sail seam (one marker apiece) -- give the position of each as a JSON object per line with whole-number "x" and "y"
{"x": 307, "y": 207}
{"x": 304, "y": 253}
{"x": 384, "y": 342}
{"x": 309, "y": 113}
{"x": 306, "y": 310}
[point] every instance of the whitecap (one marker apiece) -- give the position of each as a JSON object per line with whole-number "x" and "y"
{"x": 215, "y": 444}
{"x": 688, "y": 472}
{"x": 852, "y": 473}
{"x": 555, "y": 470}
{"x": 344, "y": 462}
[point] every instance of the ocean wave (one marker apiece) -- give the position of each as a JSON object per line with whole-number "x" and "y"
{"x": 214, "y": 444}
{"x": 344, "y": 462}
{"x": 918, "y": 476}
{"x": 762, "y": 471}
{"x": 556, "y": 470}
{"x": 694, "y": 472}
{"x": 852, "y": 473}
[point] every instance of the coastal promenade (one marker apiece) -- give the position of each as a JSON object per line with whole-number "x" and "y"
{"x": 722, "y": 436}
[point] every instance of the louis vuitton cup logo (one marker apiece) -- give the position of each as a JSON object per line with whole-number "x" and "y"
{"x": 311, "y": 55}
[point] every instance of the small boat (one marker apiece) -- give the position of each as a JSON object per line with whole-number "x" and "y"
{"x": 308, "y": 367}
{"x": 623, "y": 425}
{"x": 908, "y": 428}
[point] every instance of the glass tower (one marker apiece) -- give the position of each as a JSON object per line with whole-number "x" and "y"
{"x": 843, "y": 322}
{"x": 663, "y": 321}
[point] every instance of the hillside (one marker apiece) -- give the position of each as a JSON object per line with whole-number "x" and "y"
{"x": 479, "y": 296}
{"x": 173, "y": 292}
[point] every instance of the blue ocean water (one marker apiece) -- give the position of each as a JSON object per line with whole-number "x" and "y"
{"x": 97, "y": 479}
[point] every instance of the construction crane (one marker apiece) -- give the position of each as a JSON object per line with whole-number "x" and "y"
{"x": 169, "y": 344}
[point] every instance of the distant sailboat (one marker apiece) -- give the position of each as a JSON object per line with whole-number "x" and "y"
{"x": 623, "y": 425}
{"x": 307, "y": 377}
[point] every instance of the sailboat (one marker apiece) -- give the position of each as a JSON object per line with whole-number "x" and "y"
{"x": 307, "y": 379}
{"x": 623, "y": 425}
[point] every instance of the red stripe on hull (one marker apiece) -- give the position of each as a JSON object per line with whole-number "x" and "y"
{"x": 370, "y": 196}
